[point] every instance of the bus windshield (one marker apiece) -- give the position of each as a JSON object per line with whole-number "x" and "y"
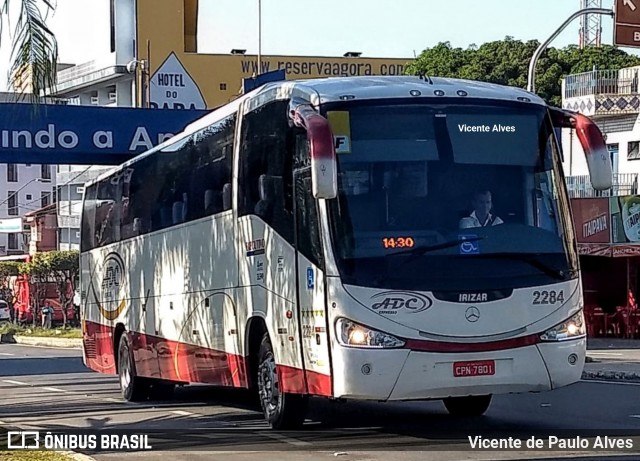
{"x": 449, "y": 197}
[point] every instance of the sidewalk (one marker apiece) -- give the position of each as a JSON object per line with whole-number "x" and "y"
{"x": 612, "y": 359}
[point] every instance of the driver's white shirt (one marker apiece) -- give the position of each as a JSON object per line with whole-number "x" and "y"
{"x": 473, "y": 221}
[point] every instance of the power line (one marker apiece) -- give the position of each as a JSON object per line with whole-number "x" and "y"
{"x": 25, "y": 205}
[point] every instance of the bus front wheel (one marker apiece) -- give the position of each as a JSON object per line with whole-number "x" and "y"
{"x": 473, "y": 405}
{"x": 133, "y": 388}
{"x": 283, "y": 410}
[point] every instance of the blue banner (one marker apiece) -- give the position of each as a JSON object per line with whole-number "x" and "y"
{"x": 84, "y": 135}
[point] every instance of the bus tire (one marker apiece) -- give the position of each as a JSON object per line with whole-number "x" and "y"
{"x": 282, "y": 410}
{"x": 472, "y": 405}
{"x": 133, "y": 388}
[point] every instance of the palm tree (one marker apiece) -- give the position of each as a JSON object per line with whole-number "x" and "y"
{"x": 34, "y": 54}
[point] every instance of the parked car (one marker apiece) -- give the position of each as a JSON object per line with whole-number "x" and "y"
{"x": 5, "y": 312}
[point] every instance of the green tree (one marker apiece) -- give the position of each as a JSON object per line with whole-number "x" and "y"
{"x": 59, "y": 267}
{"x": 506, "y": 62}
{"x": 8, "y": 270}
{"x": 34, "y": 53}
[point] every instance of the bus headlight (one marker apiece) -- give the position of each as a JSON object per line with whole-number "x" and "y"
{"x": 352, "y": 334}
{"x": 569, "y": 329}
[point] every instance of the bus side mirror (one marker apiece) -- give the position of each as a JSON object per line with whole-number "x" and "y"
{"x": 592, "y": 142}
{"x": 324, "y": 174}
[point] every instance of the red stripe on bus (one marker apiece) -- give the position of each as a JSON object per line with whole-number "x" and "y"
{"x": 157, "y": 357}
{"x": 292, "y": 380}
{"x": 319, "y": 384}
{"x": 440, "y": 346}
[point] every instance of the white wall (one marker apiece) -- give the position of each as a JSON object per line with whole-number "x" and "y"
{"x": 25, "y": 186}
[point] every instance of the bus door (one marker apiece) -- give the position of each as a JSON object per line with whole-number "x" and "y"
{"x": 311, "y": 303}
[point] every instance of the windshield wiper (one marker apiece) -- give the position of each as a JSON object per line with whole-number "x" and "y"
{"x": 526, "y": 258}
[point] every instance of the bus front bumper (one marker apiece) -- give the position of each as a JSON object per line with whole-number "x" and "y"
{"x": 403, "y": 374}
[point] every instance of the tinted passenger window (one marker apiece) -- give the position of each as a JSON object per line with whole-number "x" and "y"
{"x": 266, "y": 155}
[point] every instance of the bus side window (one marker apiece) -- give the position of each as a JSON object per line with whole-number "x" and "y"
{"x": 265, "y": 179}
{"x": 308, "y": 240}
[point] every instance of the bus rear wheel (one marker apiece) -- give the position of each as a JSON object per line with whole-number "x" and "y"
{"x": 133, "y": 388}
{"x": 473, "y": 405}
{"x": 281, "y": 409}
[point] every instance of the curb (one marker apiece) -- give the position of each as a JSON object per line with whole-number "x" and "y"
{"x": 65, "y": 343}
{"x": 611, "y": 376}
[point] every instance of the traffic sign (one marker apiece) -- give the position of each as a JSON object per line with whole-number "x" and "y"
{"x": 627, "y": 23}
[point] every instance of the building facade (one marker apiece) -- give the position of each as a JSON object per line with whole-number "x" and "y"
{"x": 23, "y": 188}
{"x": 612, "y": 99}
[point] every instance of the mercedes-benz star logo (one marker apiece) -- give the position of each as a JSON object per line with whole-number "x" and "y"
{"x": 472, "y": 314}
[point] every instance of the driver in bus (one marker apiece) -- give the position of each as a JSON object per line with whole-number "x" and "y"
{"x": 481, "y": 215}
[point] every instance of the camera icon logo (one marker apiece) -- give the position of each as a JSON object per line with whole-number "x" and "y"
{"x": 23, "y": 440}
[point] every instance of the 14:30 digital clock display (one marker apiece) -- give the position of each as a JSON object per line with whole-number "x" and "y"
{"x": 398, "y": 242}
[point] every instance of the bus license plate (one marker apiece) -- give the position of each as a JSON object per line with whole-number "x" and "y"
{"x": 476, "y": 368}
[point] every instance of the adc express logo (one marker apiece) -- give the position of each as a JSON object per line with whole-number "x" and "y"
{"x": 392, "y": 302}
{"x": 110, "y": 298}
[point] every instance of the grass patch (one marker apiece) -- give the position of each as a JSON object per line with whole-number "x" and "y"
{"x": 15, "y": 330}
{"x": 29, "y": 455}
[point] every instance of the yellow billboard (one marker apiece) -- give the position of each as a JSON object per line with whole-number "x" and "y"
{"x": 179, "y": 77}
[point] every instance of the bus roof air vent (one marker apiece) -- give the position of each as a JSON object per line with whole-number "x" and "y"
{"x": 462, "y": 93}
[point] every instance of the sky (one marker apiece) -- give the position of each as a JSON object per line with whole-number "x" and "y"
{"x": 377, "y": 28}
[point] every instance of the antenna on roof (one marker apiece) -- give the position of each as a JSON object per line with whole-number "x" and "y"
{"x": 423, "y": 76}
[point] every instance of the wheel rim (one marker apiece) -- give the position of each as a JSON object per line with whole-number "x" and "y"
{"x": 268, "y": 384}
{"x": 125, "y": 369}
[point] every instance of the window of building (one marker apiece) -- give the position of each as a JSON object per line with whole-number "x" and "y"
{"x": 633, "y": 150}
{"x": 223, "y": 87}
{"x": 12, "y": 172}
{"x": 112, "y": 25}
{"x": 29, "y": 197}
{"x": 45, "y": 171}
{"x": 13, "y": 241}
{"x": 12, "y": 199}
{"x": 45, "y": 198}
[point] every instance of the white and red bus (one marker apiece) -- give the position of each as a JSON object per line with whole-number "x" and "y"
{"x": 305, "y": 240}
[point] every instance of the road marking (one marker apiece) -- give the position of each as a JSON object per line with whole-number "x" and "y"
{"x": 2, "y": 423}
{"x": 634, "y": 416}
{"x": 282, "y": 438}
{"x": 604, "y": 353}
{"x": 111, "y": 399}
{"x": 6, "y": 353}
{"x": 17, "y": 383}
{"x": 186, "y": 413}
{"x": 54, "y": 389}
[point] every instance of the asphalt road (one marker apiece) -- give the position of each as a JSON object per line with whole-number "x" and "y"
{"x": 50, "y": 389}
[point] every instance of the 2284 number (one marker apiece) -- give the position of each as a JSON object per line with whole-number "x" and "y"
{"x": 548, "y": 297}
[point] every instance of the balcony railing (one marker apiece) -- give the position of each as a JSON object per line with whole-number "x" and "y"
{"x": 623, "y": 81}
{"x": 623, "y": 184}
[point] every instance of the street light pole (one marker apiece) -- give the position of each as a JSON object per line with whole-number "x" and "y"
{"x": 259, "y": 37}
{"x": 531, "y": 83}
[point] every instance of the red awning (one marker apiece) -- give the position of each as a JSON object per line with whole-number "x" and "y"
{"x": 607, "y": 249}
